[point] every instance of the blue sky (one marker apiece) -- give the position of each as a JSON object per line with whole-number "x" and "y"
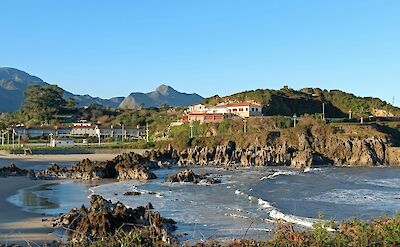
{"x": 112, "y": 48}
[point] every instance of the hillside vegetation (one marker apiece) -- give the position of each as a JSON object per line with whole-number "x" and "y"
{"x": 287, "y": 101}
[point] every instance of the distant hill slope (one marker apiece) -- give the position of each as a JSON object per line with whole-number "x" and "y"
{"x": 162, "y": 95}
{"x": 14, "y": 82}
{"x": 287, "y": 101}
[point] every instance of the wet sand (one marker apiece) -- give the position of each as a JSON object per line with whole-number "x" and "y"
{"x": 17, "y": 226}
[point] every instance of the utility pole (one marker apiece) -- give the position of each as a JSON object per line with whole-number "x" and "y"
{"x": 122, "y": 132}
{"x": 13, "y": 138}
{"x": 294, "y": 120}
{"x": 245, "y": 126}
{"x": 323, "y": 111}
{"x": 350, "y": 114}
{"x": 147, "y": 131}
{"x": 393, "y": 101}
{"x": 191, "y": 129}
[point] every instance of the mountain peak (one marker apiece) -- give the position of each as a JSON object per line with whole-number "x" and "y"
{"x": 164, "y": 89}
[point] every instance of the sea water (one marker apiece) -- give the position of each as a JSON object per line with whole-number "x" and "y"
{"x": 246, "y": 202}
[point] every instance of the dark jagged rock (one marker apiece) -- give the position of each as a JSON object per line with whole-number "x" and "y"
{"x": 188, "y": 176}
{"x": 125, "y": 166}
{"x": 132, "y": 193}
{"x": 13, "y": 170}
{"x": 104, "y": 218}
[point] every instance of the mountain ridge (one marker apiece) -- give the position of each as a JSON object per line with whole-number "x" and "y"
{"x": 14, "y": 82}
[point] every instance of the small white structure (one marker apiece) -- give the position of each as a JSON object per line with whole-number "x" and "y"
{"x": 62, "y": 143}
{"x": 82, "y": 123}
{"x": 199, "y": 108}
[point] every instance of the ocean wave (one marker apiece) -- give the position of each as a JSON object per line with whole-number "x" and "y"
{"x": 278, "y": 215}
{"x": 279, "y": 173}
{"x": 309, "y": 169}
{"x": 264, "y": 203}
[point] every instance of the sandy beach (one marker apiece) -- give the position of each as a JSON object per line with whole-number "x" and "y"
{"x": 16, "y": 225}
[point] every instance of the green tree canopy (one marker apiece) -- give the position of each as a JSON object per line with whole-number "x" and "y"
{"x": 42, "y": 103}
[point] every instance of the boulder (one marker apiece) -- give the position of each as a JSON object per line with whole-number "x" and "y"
{"x": 103, "y": 218}
{"x": 188, "y": 176}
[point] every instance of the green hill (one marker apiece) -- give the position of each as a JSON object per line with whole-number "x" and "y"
{"x": 287, "y": 101}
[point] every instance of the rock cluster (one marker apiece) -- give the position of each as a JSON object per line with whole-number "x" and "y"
{"x": 125, "y": 166}
{"x": 104, "y": 218}
{"x": 310, "y": 150}
{"x": 13, "y": 170}
{"x": 188, "y": 176}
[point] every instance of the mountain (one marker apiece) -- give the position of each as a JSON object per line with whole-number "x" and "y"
{"x": 287, "y": 101}
{"x": 162, "y": 95}
{"x": 14, "y": 82}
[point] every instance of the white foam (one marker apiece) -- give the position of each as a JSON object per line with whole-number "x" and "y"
{"x": 309, "y": 169}
{"x": 278, "y": 215}
{"x": 279, "y": 173}
{"x": 237, "y": 216}
{"x": 302, "y": 221}
{"x": 263, "y": 203}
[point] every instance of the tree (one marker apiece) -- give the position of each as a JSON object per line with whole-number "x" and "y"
{"x": 42, "y": 103}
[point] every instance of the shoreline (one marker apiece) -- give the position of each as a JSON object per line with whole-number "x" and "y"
{"x": 16, "y": 225}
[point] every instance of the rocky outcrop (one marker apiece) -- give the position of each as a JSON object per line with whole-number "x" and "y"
{"x": 13, "y": 170}
{"x": 188, "y": 176}
{"x": 104, "y": 218}
{"x": 125, "y": 166}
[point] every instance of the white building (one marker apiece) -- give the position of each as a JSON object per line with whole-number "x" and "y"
{"x": 244, "y": 110}
{"x": 82, "y": 123}
{"x": 62, "y": 143}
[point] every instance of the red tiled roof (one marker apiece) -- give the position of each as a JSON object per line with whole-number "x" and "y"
{"x": 240, "y": 104}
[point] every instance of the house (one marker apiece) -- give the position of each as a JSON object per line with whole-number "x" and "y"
{"x": 243, "y": 110}
{"x": 83, "y": 130}
{"x": 82, "y": 123}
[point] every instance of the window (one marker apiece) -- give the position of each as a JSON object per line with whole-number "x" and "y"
{"x": 240, "y": 109}
{"x": 252, "y": 109}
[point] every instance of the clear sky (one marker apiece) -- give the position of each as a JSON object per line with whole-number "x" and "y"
{"x": 112, "y": 48}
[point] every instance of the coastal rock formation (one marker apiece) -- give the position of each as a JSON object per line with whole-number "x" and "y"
{"x": 104, "y": 218}
{"x": 310, "y": 150}
{"x": 188, "y": 176}
{"x": 13, "y": 170}
{"x": 126, "y": 166}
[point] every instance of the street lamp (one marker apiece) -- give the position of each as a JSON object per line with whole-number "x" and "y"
{"x": 294, "y": 120}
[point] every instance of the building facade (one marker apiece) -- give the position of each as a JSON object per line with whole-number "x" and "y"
{"x": 218, "y": 113}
